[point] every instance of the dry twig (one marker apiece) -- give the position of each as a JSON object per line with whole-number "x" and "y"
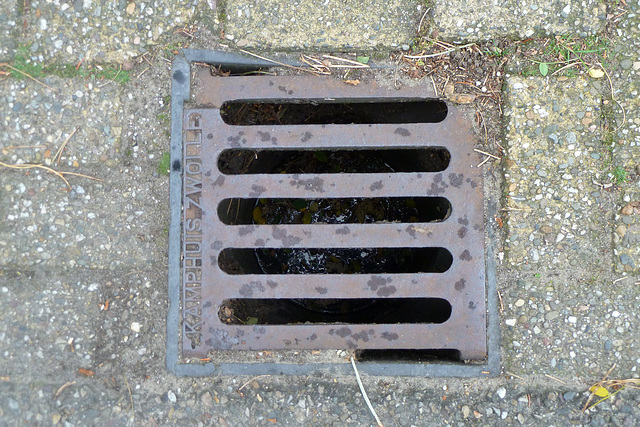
{"x": 59, "y": 152}
{"x": 61, "y": 389}
{"x": 61, "y": 174}
{"x": 599, "y": 384}
{"x": 274, "y": 61}
{"x": 516, "y": 209}
{"x": 252, "y": 380}
{"x": 364, "y": 393}
{"x": 130, "y": 396}
{"x": 349, "y": 61}
{"x": 433, "y": 55}
{"x": 555, "y": 379}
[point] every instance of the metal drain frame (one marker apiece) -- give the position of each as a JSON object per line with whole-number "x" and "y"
{"x": 180, "y": 93}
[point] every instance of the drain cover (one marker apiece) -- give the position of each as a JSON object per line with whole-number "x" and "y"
{"x": 340, "y": 267}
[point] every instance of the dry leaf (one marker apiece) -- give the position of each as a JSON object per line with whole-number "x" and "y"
{"x": 631, "y": 208}
{"x": 596, "y": 73}
{"x": 352, "y": 82}
{"x": 461, "y": 98}
{"x": 87, "y": 372}
{"x": 131, "y": 7}
{"x": 599, "y": 391}
{"x": 449, "y": 89}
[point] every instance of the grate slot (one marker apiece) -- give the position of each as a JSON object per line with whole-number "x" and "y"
{"x": 413, "y": 356}
{"x": 338, "y": 111}
{"x": 361, "y": 260}
{"x": 244, "y": 161}
{"x": 332, "y": 311}
{"x": 400, "y": 210}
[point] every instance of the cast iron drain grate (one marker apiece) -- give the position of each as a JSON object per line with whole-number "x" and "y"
{"x": 282, "y": 251}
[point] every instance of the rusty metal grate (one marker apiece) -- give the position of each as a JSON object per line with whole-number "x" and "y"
{"x": 431, "y": 305}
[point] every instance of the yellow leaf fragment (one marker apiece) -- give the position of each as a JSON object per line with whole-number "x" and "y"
{"x": 306, "y": 218}
{"x": 596, "y": 73}
{"x": 599, "y": 391}
{"x": 257, "y": 216}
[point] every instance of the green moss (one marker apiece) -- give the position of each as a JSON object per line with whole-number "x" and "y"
{"x": 112, "y": 73}
{"x": 22, "y": 63}
{"x": 222, "y": 11}
{"x": 530, "y": 70}
{"x": 165, "y": 164}
{"x": 619, "y": 174}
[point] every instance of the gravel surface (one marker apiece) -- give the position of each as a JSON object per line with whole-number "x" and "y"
{"x": 83, "y": 273}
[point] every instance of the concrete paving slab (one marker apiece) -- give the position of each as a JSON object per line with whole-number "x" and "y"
{"x": 48, "y": 323}
{"x": 94, "y": 225}
{"x": 114, "y": 223}
{"x": 625, "y": 171}
{"x": 8, "y": 30}
{"x": 562, "y": 309}
{"x": 113, "y": 31}
{"x": 626, "y": 237}
{"x": 89, "y": 320}
{"x": 491, "y": 19}
{"x": 329, "y": 24}
{"x": 555, "y": 216}
{"x": 35, "y": 116}
{"x": 624, "y": 137}
{"x": 567, "y": 325}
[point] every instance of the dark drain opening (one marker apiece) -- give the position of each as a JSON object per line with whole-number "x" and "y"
{"x": 323, "y": 112}
{"x": 399, "y": 356}
{"x": 246, "y": 162}
{"x": 319, "y": 311}
{"x": 334, "y": 211}
{"x": 334, "y": 260}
